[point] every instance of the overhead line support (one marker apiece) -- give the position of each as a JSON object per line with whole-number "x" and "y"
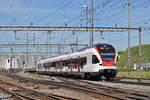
{"x": 140, "y": 48}
{"x": 129, "y": 62}
{"x": 45, "y": 28}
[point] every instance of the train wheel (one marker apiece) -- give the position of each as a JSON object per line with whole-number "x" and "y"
{"x": 87, "y": 76}
{"x": 109, "y": 79}
{"x": 103, "y": 78}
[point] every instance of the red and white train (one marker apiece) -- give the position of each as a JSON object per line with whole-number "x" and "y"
{"x": 97, "y": 61}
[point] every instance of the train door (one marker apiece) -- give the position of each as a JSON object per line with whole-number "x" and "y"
{"x": 83, "y": 64}
{"x": 89, "y": 62}
{"x": 95, "y": 63}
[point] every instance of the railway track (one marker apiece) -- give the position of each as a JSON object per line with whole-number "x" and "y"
{"x": 94, "y": 90}
{"x": 19, "y": 93}
{"x": 112, "y": 90}
{"x": 131, "y": 81}
{"x": 124, "y": 80}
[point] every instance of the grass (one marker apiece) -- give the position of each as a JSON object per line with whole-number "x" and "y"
{"x": 123, "y": 61}
{"x": 29, "y": 70}
{"x": 134, "y": 74}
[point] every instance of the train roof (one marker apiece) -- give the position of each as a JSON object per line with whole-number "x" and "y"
{"x": 97, "y": 45}
{"x": 82, "y": 49}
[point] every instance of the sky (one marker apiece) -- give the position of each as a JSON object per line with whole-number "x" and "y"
{"x": 107, "y": 13}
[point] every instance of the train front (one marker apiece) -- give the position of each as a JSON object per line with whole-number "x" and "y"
{"x": 108, "y": 59}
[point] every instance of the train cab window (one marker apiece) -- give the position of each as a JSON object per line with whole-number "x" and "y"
{"x": 94, "y": 59}
{"x": 117, "y": 58}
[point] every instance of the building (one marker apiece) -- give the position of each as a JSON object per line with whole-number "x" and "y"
{"x": 143, "y": 66}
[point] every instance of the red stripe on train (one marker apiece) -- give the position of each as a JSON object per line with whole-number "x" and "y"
{"x": 106, "y": 63}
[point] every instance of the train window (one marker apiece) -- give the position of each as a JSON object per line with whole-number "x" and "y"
{"x": 66, "y": 63}
{"x": 49, "y": 64}
{"x": 63, "y": 63}
{"x": 44, "y": 65}
{"x": 57, "y": 64}
{"x": 83, "y": 61}
{"x": 94, "y": 59}
{"x": 52, "y": 64}
{"x": 76, "y": 67}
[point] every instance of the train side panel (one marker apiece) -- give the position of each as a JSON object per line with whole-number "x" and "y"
{"x": 93, "y": 61}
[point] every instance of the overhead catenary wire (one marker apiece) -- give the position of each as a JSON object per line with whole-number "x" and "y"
{"x": 106, "y": 3}
{"x": 20, "y": 11}
{"x": 2, "y": 17}
{"x": 23, "y": 10}
{"x": 136, "y": 5}
{"x": 17, "y": 9}
{"x": 74, "y": 19}
{"x": 54, "y": 12}
{"x": 8, "y": 9}
{"x": 111, "y": 19}
{"x": 105, "y": 6}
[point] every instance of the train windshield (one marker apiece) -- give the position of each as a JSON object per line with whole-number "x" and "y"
{"x": 107, "y": 52}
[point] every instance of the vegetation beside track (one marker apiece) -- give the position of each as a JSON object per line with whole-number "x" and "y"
{"x": 123, "y": 61}
{"x": 134, "y": 74}
{"x": 30, "y": 70}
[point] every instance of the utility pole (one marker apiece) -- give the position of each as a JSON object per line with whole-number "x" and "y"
{"x": 86, "y": 12}
{"x": 11, "y": 58}
{"x": 77, "y": 41}
{"x": 27, "y": 50}
{"x": 140, "y": 48}
{"x": 33, "y": 33}
{"x": 87, "y": 15}
{"x": 129, "y": 63}
{"x": 49, "y": 42}
{"x": 34, "y": 49}
{"x": 92, "y": 22}
{"x": 59, "y": 52}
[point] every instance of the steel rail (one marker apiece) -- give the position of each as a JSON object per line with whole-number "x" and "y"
{"x": 130, "y": 94}
{"x": 23, "y": 93}
{"x": 95, "y": 91}
{"x": 133, "y": 78}
{"x": 77, "y": 88}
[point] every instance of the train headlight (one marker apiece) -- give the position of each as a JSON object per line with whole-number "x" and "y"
{"x": 101, "y": 64}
